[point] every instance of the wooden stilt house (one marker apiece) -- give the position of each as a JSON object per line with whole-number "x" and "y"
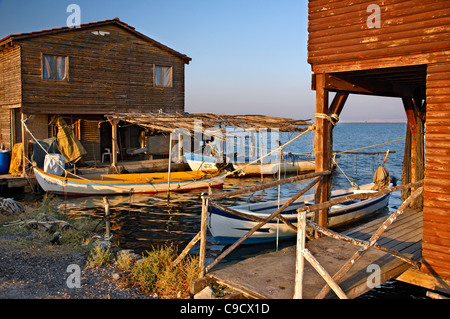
{"x": 397, "y": 48}
{"x": 82, "y": 74}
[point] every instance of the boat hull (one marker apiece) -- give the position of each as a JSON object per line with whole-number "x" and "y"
{"x": 114, "y": 184}
{"x": 288, "y": 165}
{"x": 227, "y": 228}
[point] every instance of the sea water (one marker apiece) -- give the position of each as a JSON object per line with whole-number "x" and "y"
{"x": 141, "y": 222}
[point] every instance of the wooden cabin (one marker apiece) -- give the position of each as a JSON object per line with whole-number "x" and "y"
{"x": 83, "y": 74}
{"x": 397, "y": 48}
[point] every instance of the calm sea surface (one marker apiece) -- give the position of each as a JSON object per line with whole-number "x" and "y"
{"x": 140, "y": 222}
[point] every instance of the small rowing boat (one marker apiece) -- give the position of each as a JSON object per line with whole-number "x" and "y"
{"x": 114, "y": 184}
{"x": 227, "y": 228}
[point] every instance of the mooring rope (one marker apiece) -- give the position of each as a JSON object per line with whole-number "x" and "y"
{"x": 362, "y": 148}
{"x": 333, "y": 118}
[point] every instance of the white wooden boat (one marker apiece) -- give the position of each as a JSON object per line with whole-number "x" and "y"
{"x": 113, "y": 184}
{"x": 288, "y": 164}
{"x": 226, "y": 228}
{"x": 198, "y": 162}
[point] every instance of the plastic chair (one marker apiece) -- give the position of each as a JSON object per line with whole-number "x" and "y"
{"x": 107, "y": 153}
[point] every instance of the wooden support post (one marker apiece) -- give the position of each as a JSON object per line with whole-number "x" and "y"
{"x": 170, "y": 167}
{"x": 114, "y": 142}
{"x": 202, "y": 254}
{"x": 302, "y": 254}
{"x": 412, "y": 123}
{"x": 180, "y": 147}
{"x": 24, "y": 144}
{"x": 107, "y": 220}
{"x": 322, "y": 148}
{"x": 300, "y": 261}
{"x": 413, "y": 161}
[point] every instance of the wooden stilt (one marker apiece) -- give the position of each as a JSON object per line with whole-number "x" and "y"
{"x": 114, "y": 142}
{"x": 322, "y": 148}
{"x": 202, "y": 253}
{"x": 413, "y": 162}
{"x": 25, "y": 146}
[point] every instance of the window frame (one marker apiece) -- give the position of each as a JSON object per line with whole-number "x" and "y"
{"x": 66, "y": 67}
{"x": 162, "y": 86}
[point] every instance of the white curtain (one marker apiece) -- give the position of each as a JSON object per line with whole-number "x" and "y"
{"x": 60, "y": 67}
{"x": 158, "y": 73}
{"x": 47, "y": 66}
{"x": 167, "y": 77}
{"x": 54, "y": 67}
{"x": 163, "y": 76}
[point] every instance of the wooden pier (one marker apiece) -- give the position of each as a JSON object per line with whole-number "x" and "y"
{"x": 272, "y": 275}
{"x": 10, "y": 181}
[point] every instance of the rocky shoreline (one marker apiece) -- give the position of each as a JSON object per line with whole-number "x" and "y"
{"x": 45, "y": 275}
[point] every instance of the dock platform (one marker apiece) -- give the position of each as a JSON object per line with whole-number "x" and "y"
{"x": 10, "y": 181}
{"x": 272, "y": 275}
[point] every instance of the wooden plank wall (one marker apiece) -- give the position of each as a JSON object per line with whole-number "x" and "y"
{"x": 411, "y": 32}
{"x": 5, "y": 128}
{"x": 436, "y": 220}
{"x": 10, "y": 91}
{"x": 107, "y": 74}
{"x": 10, "y": 82}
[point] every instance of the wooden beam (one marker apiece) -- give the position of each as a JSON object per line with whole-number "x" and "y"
{"x": 293, "y": 179}
{"x": 419, "y": 278}
{"x": 366, "y": 85}
{"x": 338, "y": 102}
{"x": 411, "y": 112}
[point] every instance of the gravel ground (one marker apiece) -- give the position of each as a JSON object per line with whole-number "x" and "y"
{"x": 37, "y": 275}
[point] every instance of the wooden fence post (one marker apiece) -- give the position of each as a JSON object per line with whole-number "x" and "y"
{"x": 107, "y": 219}
{"x": 300, "y": 261}
{"x": 372, "y": 241}
{"x": 268, "y": 219}
{"x": 203, "y": 235}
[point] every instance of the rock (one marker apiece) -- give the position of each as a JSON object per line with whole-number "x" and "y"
{"x": 56, "y": 237}
{"x": 116, "y": 276}
{"x": 206, "y": 293}
{"x": 198, "y": 285}
{"x": 130, "y": 253}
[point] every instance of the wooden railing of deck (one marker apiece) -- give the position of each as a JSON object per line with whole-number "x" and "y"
{"x": 209, "y": 199}
{"x": 332, "y": 282}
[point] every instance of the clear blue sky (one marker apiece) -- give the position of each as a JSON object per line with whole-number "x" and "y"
{"x": 248, "y": 56}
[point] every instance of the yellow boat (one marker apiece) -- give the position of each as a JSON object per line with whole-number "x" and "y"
{"x": 113, "y": 184}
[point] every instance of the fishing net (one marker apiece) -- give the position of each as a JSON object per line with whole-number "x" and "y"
{"x": 381, "y": 178}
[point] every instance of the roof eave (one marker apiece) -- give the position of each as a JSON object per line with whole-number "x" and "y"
{"x": 22, "y": 36}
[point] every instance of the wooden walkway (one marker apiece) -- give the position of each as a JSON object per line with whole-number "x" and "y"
{"x": 272, "y": 275}
{"x": 10, "y": 181}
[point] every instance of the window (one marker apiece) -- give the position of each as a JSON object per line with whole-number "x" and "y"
{"x": 163, "y": 76}
{"x": 54, "y": 67}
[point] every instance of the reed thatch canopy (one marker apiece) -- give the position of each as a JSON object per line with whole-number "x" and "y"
{"x": 168, "y": 122}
